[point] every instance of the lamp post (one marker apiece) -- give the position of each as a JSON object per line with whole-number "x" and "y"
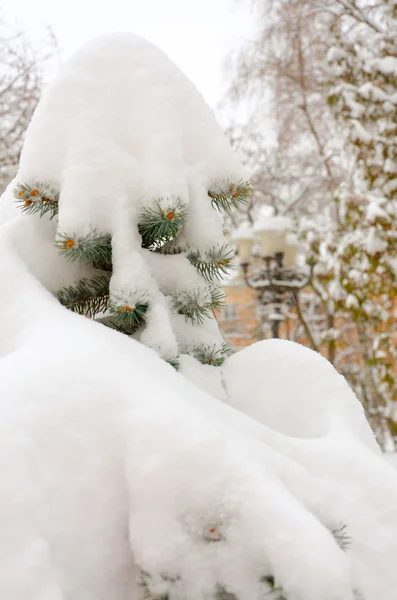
{"x": 277, "y": 280}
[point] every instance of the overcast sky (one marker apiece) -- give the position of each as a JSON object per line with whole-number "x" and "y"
{"x": 196, "y": 34}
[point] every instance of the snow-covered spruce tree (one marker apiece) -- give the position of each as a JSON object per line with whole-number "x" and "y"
{"x": 363, "y": 97}
{"x": 113, "y": 464}
{"x": 146, "y": 226}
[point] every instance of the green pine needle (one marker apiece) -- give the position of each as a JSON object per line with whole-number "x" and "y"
{"x": 173, "y": 247}
{"x": 274, "y": 593}
{"x": 217, "y": 299}
{"x": 231, "y": 197}
{"x": 211, "y": 355}
{"x": 42, "y": 199}
{"x": 143, "y": 582}
{"x": 161, "y": 225}
{"x": 215, "y": 263}
{"x": 341, "y": 537}
{"x": 190, "y": 303}
{"x": 109, "y": 321}
{"x": 94, "y": 248}
{"x": 222, "y": 594}
{"x": 127, "y": 317}
{"x": 87, "y": 297}
{"x": 174, "y": 362}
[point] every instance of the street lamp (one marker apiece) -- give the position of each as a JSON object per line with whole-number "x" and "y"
{"x": 278, "y": 281}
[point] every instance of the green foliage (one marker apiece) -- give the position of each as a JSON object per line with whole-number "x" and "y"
{"x": 217, "y": 299}
{"x": 146, "y": 581}
{"x": 174, "y": 362}
{"x": 272, "y": 592}
{"x": 232, "y": 197}
{"x": 128, "y": 317}
{"x": 191, "y": 304}
{"x": 161, "y": 225}
{"x": 87, "y": 297}
{"x": 222, "y": 594}
{"x": 341, "y": 537}
{"x": 159, "y": 229}
{"x": 109, "y": 321}
{"x": 211, "y": 355}
{"x": 94, "y": 248}
{"x": 42, "y": 199}
{"x": 215, "y": 262}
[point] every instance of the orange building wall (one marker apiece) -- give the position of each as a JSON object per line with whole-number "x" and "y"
{"x": 239, "y": 328}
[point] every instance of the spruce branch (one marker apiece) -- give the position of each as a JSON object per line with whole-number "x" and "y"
{"x": 214, "y": 263}
{"x": 217, "y": 299}
{"x": 273, "y": 592}
{"x": 174, "y": 362}
{"x": 94, "y": 248}
{"x": 222, "y": 594}
{"x": 231, "y": 197}
{"x": 161, "y": 225}
{"x": 341, "y": 536}
{"x": 144, "y": 585}
{"x": 109, "y": 321}
{"x": 128, "y": 317}
{"x": 190, "y": 304}
{"x": 211, "y": 355}
{"x": 196, "y": 308}
{"x": 87, "y": 297}
{"x": 172, "y": 248}
{"x": 41, "y": 199}
{"x": 162, "y": 583}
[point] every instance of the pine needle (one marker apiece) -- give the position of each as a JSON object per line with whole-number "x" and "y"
{"x": 217, "y": 299}
{"x": 231, "y": 197}
{"x": 174, "y": 362}
{"x": 191, "y": 304}
{"x": 215, "y": 262}
{"x": 341, "y": 536}
{"x": 143, "y": 582}
{"x": 42, "y": 199}
{"x": 94, "y": 248}
{"x": 211, "y": 355}
{"x": 274, "y": 592}
{"x": 128, "y": 317}
{"x": 87, "y": 297}
{"x": 161, "y": 225}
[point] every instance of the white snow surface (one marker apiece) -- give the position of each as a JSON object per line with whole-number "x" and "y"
{"x": 111, "y": 461}
{"x": 386, "y": 65}
{"x": 391, "y": 458}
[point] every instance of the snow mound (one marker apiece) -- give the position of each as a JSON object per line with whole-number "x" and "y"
{"x": 113, "y": 463}
{"x": 295, "y": 391}
{"x": 312, "y": 417}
